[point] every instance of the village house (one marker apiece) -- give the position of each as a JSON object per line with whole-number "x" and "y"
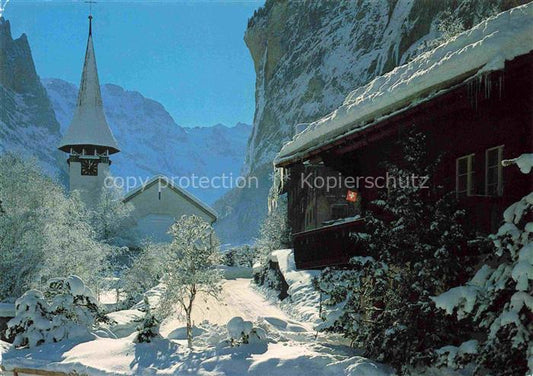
{"x": 471, "y": 98}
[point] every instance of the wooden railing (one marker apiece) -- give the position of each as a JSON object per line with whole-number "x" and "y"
{"x": 36, "y": 372}
{"x": 327, "y": 246}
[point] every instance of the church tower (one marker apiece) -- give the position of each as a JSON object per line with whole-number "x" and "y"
{"x": 88, "y": 140}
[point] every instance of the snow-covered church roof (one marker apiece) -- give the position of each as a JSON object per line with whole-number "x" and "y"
{"x": 482, "y": 49}
{"x": 89, "y": 125}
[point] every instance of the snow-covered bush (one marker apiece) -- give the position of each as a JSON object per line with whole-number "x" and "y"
{"x": 190, "y": 266}
{"x": 32, "y": 322}
{"x": 243, "y": 256}
{"x": 499, "y": 298}
{"x": 244, "y": 332}
{"x": 416, "y": 243}
{"x": 67, "y": 309}
{"x": 149, "y": 327}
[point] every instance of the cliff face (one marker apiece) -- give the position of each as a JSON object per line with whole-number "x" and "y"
{"x": 27, "y": 122}
{"x": 308, "y": 55}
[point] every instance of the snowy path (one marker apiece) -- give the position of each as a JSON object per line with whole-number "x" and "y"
{"x": 238, "y": 298}
{"x": 291, "y": 348}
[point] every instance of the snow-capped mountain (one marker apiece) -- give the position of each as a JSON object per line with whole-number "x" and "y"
{"x": 27, "y": 123}
{"x": 308, "y": 55}
{"x": 152, "y": 143}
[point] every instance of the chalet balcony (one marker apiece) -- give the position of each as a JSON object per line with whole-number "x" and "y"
{"x": 327, "y": 245}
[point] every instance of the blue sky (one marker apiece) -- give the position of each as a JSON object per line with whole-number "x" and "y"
{"x": 188, "y": 55}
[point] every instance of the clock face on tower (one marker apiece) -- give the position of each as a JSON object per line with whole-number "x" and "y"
{"x": 89, "y": 167}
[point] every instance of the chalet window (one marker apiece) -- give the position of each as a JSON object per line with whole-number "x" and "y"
{"x": 493, "y": 171}
{"x": 464, "y": 172}
{"x": 339, "y": 211}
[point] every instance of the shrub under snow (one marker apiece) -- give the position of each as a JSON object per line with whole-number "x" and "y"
{"x": 244, "y": 332}
{"x": 67, "y": 309}
{"x": 149, "y": 327}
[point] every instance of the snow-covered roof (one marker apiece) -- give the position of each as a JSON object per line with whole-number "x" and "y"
{"x": 484, "y": 48}
{"x": 168, "y": 183}
{"x": 89, "y": 125}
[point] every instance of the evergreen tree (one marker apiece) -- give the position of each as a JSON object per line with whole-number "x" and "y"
{"x": 149, "y": 329}
{"x": 66, "y": 309}
{"x": 274, "y": 234}
{"x": 416, "y": 242}
{"x": 500, "y": 296}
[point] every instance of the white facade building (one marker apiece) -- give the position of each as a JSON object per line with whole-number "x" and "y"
{"x": 159, "y": 203}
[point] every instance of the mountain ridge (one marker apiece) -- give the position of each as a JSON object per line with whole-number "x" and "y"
{"x": 151, "y": 141}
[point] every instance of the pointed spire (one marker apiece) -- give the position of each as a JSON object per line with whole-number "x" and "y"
{"x": 89, "y": 128}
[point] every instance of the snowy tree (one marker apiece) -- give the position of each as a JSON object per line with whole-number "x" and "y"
{"x": 145, "y": 271}
{"x": 149, "y": 328}
{"x": 274, "y": 234}
{"x": 112, "y": 218}
{"x": 66, "y": 309}
{"x": 26, "y": 196}
{"x": 190, "y": 266}
{"x": 243, "y": 256}
{"x": 416, "y": 242}
{"x": 43, "y": 233}
{"x": 70, "y": 244}
{"x": 499, "y": 298}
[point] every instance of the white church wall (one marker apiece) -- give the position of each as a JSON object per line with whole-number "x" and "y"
{"x": 155, "y": 227}
{"x": 90, "y": 187}
{"x": 156, "y": 208}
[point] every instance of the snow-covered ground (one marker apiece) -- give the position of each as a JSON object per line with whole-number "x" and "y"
{"x": 292, "y": 347}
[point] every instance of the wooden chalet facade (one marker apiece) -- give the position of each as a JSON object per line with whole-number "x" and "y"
{"x": 473, "y": 122}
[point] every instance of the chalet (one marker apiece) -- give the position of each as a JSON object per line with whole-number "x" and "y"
{"x": 472, "y": 98}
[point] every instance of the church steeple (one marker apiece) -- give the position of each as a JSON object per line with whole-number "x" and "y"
{"x": 88, "y": 132}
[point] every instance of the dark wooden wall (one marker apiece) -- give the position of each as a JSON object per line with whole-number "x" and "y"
{"x": 471, "y": 118}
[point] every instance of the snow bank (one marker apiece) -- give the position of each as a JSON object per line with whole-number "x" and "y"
{"x": 125, "y": 322}
{"x": 233, "y": 272}
{"x": 482, "y": 49}
{"x": 303, "y": 301}
{"x": 283, "y": 357}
